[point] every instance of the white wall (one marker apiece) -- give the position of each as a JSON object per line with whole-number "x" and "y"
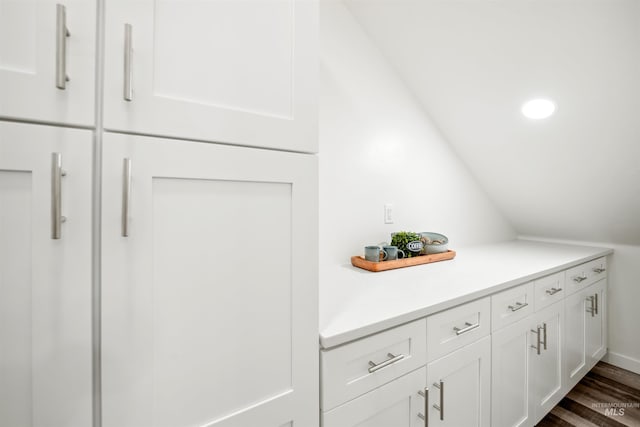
{"x": 377, "y": 146}
{"x": 623, "y": 296}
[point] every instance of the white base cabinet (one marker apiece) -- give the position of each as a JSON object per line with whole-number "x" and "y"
{"x": 585, "y": 344}
{"x": 212, "y": 233}
{"x": 45, "y": 282}
{"x": 460, "y": 387}
{"x": 396, "y": 404}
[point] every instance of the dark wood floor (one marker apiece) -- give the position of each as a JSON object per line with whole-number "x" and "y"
{"x": 599, "y": 400}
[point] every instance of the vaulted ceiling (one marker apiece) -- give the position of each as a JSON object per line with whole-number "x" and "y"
{"x": 473, "y": 63}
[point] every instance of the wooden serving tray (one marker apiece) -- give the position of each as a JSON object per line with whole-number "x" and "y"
{"x": 358, "y": 261}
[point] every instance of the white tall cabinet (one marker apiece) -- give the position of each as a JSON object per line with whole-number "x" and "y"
{"x": 207, "y": 309}
{"x": 240, "y": 72}
{"x": 45, "y": 282}
{"x": 209, "y": 302}
{"x": 37, "y": 57}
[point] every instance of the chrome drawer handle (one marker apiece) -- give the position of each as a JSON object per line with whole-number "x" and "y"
{"x": 544, "y": 336}
{"x": 56, "y": 196}
{"x": 425, "y": 393}
{"x": 469, "y": 327}
{"x": 553, "y": 291}
{"x": 579, "y": 278}
{"x": 440, "y": 407}
{"x": 599, "y": 270}
{"x": 591, "y": 309}
{"x": 128, "y": 58}
{"x": 126, "y": 195}
{"x": 391, "y": 360}
{"x": 518, "y": 306}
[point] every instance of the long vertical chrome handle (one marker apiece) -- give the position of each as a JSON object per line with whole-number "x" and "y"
{"x": 544, "y": 336}
{"x": 440, "y": 407}
{"x": 596, "y": 304}
{"x": 128, "y": 53}
{"x": 538, "y": 334}
{"x": 425, "y": 393}
{"x": 591, "y": 310}
{"x": 62, "y": 32}
{"x": 56, "y": 196}
{"x": 126, "y": 195}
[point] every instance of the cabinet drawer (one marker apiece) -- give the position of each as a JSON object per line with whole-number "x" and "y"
{"x": 457, "y": 327}
{"x": 357, "y": 367}
{"x": 581, "y": 276}
{"x": 549, "y": 290}
{"x": 511, "y": 305}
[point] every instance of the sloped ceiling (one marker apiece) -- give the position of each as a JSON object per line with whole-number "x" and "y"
{"x": 473, "y": 63}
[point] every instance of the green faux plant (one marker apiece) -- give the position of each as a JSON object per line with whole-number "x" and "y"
{"x": 402, "y": 238}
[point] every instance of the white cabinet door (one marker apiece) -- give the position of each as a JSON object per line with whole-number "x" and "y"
{"x": 45, "y": 283}
{"x": 31, "y": 57}
{"x": 575, "y": 360}
{"x": 460, "y": 387}
{"x": 511, "y": 403}
{"x": 228, "y": 71}
{"x": 210, "y": 308}
{"x": 596, "y": 322}
{"x": 546, "y": 359}
{"x": 396, "y": 404}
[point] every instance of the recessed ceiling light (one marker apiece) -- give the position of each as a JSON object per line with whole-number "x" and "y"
{"x": 538, "y": 109}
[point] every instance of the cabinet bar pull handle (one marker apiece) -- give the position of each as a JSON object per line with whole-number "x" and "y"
{"x": 518, "y": 306}
{"x": 441, "y": 406}
{"x": 553, "y": 291}
{"x": 469, "y": 327}
{"x": 596, "y": 304}
{"x": 599, "y": 270}
{"x": 537, "y": 332}
{"x": 128, "y": 53}
{"x": 56, "y": 196}
{"x": 62, "y": 32}
{"x": 391, "y": 360}
{"x": 425, "y": 393}
{"x": 126, "y": 195}
{"x": 544, "y": 336}
{"x": 579, "y": 278}
{"x": 592, "y": 309}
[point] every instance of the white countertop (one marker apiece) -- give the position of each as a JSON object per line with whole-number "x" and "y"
{"x": 372, "y": 302}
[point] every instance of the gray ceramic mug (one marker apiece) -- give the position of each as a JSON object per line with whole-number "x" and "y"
{"x": 393, "y": 252}
{"x": 372, "y": 253}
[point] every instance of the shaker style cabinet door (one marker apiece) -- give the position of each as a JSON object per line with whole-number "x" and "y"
{"x": 42, "y": 42}
{"x": 546, "y": 359}
{"x": 400, "y": 403}
{"x": 460, "y": 387}
{"x": 235, "y": 72}
{"x": 45, "y": 276}
{"x": 209, "y": 285}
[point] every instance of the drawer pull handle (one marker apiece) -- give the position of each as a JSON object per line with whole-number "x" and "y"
{"x": 469, "y": 327}
{"x": 56, "y": 196}
{"x": 599, "y": 270}
{"x": 440, "y": 407}
{"x": 425, "y": 393}
{"x": 391, "y": 360}
{"x": 128, "y": 58}
{"x": 126, "y": 196}
{"x": 544, "y": 336}
{"x": 518, "y": 306}
{"x": 537, "y": 332}
{"x": 579, "y": 278}
{"x": 553, "y": 291}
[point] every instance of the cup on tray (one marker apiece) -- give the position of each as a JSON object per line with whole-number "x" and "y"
{"x": 375, "y": 254}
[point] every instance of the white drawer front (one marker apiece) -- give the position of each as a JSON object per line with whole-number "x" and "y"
{"x": 454, "y": 328}
{"x": 511, "y": 305}
{"x": 549, "y": 290}
{"x": 357, "y": 367}
{"x": 581, "y": 276}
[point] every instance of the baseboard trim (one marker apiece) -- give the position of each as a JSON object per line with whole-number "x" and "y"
{"x": 622, "y": 361}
